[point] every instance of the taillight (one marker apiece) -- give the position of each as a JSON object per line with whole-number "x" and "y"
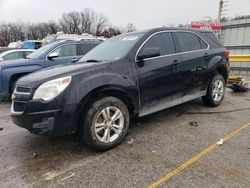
{"x": 227, "y": 54}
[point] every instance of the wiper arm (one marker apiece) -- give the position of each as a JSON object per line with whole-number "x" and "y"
{"x": 92, "y": 60}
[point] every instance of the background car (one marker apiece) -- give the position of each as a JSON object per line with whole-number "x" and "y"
{"x": 4, "y": 49}
{"x": 57, "y": 53}
{"x": 15, "y": 54}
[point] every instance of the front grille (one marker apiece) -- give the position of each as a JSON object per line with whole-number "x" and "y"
{"x": 19, "y": 106}
{"x": 21, "y": 89}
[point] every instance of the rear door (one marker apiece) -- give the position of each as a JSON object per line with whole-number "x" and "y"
{"x": 159, "y": 77}
{"x": 193, "y": 51}
{"x": 67, "y": 53}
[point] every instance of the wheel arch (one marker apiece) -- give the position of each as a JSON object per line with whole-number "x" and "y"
{"x": 14, "y": 78}
{"x": 107, "y": 90}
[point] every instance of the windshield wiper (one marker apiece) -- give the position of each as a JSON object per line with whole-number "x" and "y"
{"x": 92, "y": 60}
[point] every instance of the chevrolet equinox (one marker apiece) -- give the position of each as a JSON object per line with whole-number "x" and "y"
{"x": 130, "y": 75}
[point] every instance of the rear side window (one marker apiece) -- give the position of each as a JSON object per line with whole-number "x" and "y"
{"x": 163, "y": 41}
{"x": 189, "y": 42}
{"x": 86, "y": 47}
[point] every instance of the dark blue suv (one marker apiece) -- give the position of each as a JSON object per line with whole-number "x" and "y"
{"x": 60, "y": 52}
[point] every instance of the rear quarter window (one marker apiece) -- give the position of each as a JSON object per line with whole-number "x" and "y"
{"x": 212, "y": 38}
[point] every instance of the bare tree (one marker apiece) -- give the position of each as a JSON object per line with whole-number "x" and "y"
{"x": 130, "y": 27}
{"x": 70, "y": 22}
{"x": 110, "y": 32}
{"x": 87, "y": 20}
{"x": 11, "y": 32}
{"x": 100, "y": 21}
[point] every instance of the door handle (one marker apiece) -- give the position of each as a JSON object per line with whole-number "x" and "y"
{"x": 175, "y": 63}
{"x": 74, "y": 60}
{"x": 206, "y": 55}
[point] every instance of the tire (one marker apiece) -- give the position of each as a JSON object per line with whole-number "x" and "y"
{"x": 97, "y": 124}
{"x": 215, "y": 91}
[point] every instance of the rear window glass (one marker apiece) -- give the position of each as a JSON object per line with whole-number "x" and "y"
{"x": 212, "y": 37}
{"x": 188, "y": 41}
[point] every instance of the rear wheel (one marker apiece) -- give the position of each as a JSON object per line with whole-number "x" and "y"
{"x": 105, "y": 123}
{"x": 215, "y": 92}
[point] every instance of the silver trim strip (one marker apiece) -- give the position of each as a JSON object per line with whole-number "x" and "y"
{"x": 171, "y": 31}
{"x": 169, "y": 104}
{"x": 22, "y": 93}
{"x": 12, "y": 111}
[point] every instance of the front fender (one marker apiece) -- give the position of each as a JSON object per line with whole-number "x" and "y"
{"x": 8, "y": 73}
{"x": 107, "y": 80}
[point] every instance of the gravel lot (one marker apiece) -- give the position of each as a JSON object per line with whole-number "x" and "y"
{"x": 155, "y": 145}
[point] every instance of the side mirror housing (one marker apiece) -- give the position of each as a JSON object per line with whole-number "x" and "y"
{"x": 52, "y": 55}
{"x": 148, "y": 53}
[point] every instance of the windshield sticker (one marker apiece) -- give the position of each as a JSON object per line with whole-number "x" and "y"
{"x": 129, "y": 38}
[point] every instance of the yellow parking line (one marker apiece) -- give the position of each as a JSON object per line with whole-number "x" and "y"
{"x": 186, "y": 164}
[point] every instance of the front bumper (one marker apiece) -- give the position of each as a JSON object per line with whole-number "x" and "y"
{"x": 45, "y": 122}
{"x": 53, "y": 118}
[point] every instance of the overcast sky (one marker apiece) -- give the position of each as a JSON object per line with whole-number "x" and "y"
{"x": 143, "y": 13}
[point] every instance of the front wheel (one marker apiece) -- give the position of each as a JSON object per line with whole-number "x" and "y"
{"x": 215, "y": 91}
{"x": 105, "y": 123}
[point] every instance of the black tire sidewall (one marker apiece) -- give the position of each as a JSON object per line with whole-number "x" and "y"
{"x": 89, "y": 121}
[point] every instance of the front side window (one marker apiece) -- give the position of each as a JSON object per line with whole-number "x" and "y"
{"x": 13, "y": 55}
{"x": 163, "y": 41}
{"x": 66, "y": 50}
{"x": 188, "y": 41}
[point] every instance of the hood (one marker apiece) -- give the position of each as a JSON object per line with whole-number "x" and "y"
{"x": 34, "y": 80}
{"x": 18, "y": 62}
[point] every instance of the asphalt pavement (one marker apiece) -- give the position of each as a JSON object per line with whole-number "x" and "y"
{"x": 162, "y": 149}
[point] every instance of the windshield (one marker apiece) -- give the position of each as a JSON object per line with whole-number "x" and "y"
{"x": 40, "y": 51}
{"x": 112, "y": 49}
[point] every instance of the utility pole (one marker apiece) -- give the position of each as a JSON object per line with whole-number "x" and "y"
{"x": 220, "y": 9}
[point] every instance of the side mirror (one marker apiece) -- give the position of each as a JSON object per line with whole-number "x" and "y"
{"x": 1, "y": 59}
{"x": 52, "y": 55}
{"x": 148, "y": 53}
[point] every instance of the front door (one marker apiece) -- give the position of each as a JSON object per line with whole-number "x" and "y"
{"x": 66, "y": 53}
{"x": 159, "y": 77}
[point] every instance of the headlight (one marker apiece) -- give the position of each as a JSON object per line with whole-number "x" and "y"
{"x": 51, "y": 89}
